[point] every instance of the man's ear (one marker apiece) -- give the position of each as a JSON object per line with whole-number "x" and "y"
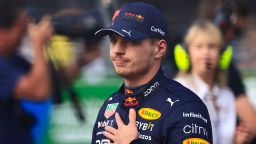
{"x": 161, "y": 47}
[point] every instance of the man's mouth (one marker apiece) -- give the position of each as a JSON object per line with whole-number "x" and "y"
{"x": 119, "y": 61}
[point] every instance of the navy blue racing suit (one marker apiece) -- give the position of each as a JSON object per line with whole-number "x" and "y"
{"x": 167, "y": 113}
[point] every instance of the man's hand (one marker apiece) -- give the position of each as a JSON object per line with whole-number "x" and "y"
{"x": 243, "y": 135}
{"x": 125, "y": 133}
{"x": 36, "y": 84}
{"x": 40, "y": 33}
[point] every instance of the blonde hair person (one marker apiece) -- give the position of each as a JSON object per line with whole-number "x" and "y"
{"x": 203, "y": 41}
{"x": 209, "y": 31}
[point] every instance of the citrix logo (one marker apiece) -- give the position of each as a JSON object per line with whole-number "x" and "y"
{"x": 195, "y": 129}
{"x": 151, "y": 89}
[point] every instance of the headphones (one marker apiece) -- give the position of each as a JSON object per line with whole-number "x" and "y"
{"x": 182, "y": 60}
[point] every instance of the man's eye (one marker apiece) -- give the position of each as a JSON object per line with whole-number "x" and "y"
{"x": 113, "y": 40}
{"x": 135, "y": 43}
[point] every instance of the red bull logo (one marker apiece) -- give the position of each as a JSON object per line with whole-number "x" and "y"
{"x": 138, "y": 17}
{"x": 130, "y": 101}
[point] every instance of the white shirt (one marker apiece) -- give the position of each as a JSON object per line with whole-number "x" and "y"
{"x": 94, "y": 72}
{"x": 223, "y": 120}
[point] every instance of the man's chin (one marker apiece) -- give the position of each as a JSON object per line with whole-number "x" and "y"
{"x": 122, "y": 73}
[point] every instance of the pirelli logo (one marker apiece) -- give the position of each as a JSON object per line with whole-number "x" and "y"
{"x": 195, "y": 141}
{"x": 149, "y": 114}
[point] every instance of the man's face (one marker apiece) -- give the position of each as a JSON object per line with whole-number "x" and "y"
{"x": 11, "y": 38}
{"x": 131, "y": 59}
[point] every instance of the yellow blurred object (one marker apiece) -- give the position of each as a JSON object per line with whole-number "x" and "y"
{"x": 181, "y": 58}
{"x": 226, "y": 57}
{"x": 61, "y": 51}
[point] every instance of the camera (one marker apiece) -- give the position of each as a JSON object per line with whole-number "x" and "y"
{"x": 78, "y": 25}
{"x": 83, "y": 24}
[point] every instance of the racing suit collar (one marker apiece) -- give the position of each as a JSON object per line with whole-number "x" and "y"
{"x": 146, "y": 89}
{"x": 132, "y": 97}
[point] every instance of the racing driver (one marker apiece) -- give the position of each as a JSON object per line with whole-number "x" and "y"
{"x": 149, "y": 108}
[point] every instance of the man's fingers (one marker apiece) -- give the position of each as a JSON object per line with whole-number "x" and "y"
{"x": 132, "y": 117}
{"x": 110, "y": 130}
{"x": 109, "y": 135}
{"x": 119, "y": 121}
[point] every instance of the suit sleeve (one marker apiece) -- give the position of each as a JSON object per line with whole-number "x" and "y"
{"x": 188, "y": 123}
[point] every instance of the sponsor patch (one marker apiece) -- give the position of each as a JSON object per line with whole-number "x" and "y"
{"x": 99, "y": 133}
{"x": 195, "y": 141}
{"x": 149, "y": 114}
{"x": 130, "y": 101}
{"x": 144, "y": 126}
{"x": 194, "y": 115}
{"x": 157, "y": 30}
{"x": 110, "y": 110}
{"x": 133, "y": 16}
{"x": 105, "y": 123}
{"x": 145, "y": 137}
{"x": 102, "y": 141}
{"x": 171, "y": 102}
{"x": 151, "y": 89}
{"x": 195, "y": 129}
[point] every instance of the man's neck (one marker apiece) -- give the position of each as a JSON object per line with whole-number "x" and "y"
{"x": 141, "y": 79}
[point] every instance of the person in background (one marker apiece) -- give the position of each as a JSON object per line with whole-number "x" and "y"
{"x": 205, "y": 77}
{"x": 231, "y": 19}
{"x": 94, "y": 68}
{"x": 167, "y": 111}
{"x": 17, "y": 82}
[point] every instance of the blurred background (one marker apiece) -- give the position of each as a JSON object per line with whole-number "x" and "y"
{"x": 82, "y": 74}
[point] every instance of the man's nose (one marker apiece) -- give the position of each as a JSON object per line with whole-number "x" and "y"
{"x": 119, "y": 47}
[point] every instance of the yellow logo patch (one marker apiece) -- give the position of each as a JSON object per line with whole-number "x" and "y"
{"x": 195, "y": 141}
{"x": 149, "y": 114}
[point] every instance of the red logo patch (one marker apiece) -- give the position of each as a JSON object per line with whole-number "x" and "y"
{"x": 130, "y": 101}
{"x": 115, "y": 15}
{"x": 137, "y": 17}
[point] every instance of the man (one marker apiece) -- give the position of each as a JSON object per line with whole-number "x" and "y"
{"x": 166, "y": 111}
{"x": 16, "y": 83}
